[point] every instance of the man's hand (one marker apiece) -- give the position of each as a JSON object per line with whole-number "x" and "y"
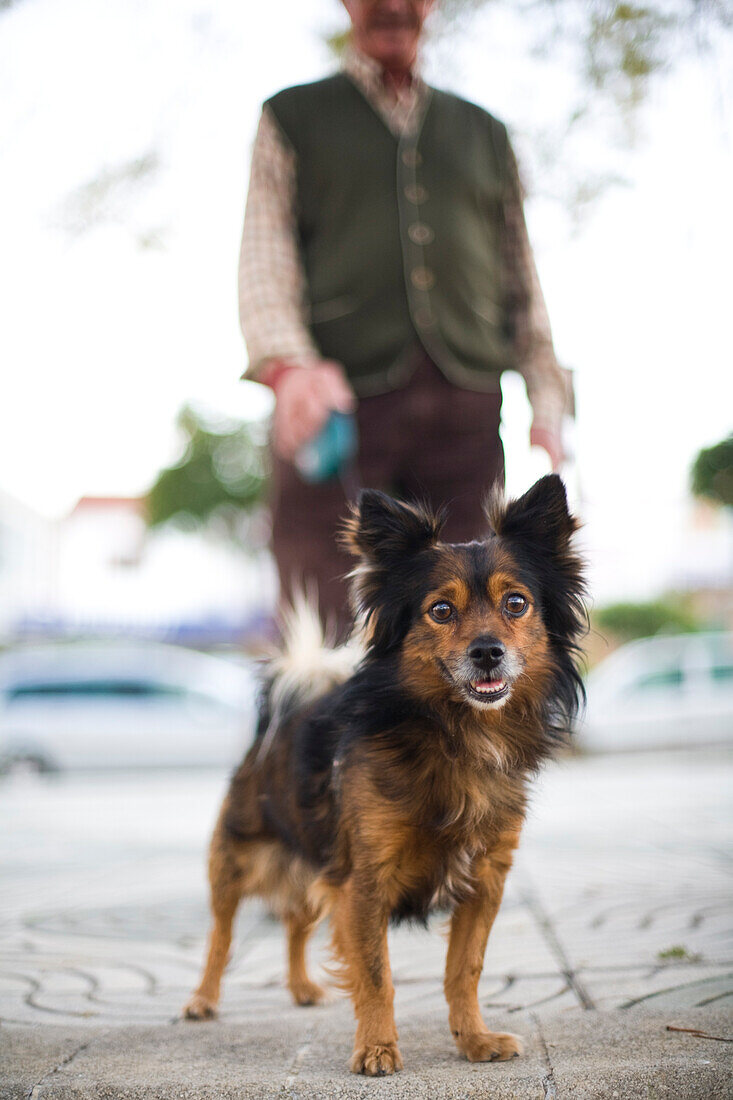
{"x": 550, "y": 441}
{"x": 304, "y": 396}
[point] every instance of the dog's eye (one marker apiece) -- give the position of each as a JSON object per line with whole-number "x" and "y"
{"x": 441, "y": 611}
{"x": 515, "y": 604}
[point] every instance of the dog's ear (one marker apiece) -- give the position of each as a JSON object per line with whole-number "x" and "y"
{"x": 387, "y": 536}
{"x": 382, "y": 529}
{"x": 539, "y": 529}
{"x": 541, "y": 517}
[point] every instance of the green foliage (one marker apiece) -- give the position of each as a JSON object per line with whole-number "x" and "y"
{"x": 625, "y": 45}
{"x": 642, "y": 620}
{"x": 676, "y": 953}
{"x": 338, "y": 41}
{"x": 221, "y": 475}
{"x": 110, "y": 197}
{"x": 617, "y": 45}
{"x": 711, "y": 475}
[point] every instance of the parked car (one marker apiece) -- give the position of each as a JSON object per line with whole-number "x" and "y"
{"x": 661, "y": 692}
{"x": 122, "y": 704}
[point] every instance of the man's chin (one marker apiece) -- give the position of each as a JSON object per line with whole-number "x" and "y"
{"x": 393, "y": 48}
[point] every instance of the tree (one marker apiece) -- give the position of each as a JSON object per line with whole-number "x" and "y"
{"x": 643, "y": 620}
{"x": 711, "y": 475}
{"x": 618, "y": 45}
{"x": 615, "y": 46}
{"x": 218, "y": 481}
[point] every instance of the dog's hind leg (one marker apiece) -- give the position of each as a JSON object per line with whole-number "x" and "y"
{"x": 299, "y": 926}
{"x": 226, "y": 891}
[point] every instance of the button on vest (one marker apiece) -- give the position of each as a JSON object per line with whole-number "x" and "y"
{"x": 423, "y": 278}
{"x": 420, "y": 233}
{"x": 416, "y": 193}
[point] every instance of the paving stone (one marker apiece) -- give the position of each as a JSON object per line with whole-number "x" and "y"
{"x": 29, "y": 1055}
{"x": 191, "y": 1060}
{"x": 434, "y": 1068}
{"x": 632, "y": 1056}
{"x": 690, "y": 985}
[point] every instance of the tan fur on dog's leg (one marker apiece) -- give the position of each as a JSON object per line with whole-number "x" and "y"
{"x": 470, "y": 927}
{"x": 360, "y": 942}
{"x": 226, "y": 892}
{"x": 299, "y": 927}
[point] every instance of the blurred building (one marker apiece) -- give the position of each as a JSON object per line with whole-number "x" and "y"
{"x": 692, "y": 549}
{"x": 705, "y": 551}
{"x": 705, "y": 563}
{"x": 100, "y": 571}
{"x": 27, "y": 563}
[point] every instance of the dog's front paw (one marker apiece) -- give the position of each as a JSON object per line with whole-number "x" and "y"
{"x": 376, "y": 1060}
{"x": 199, "y": 1008}
{"x": 489, "y": 1046}
{"x": 307, "y": 993}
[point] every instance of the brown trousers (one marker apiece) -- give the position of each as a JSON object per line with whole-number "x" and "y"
{"x": 428, "y": 440}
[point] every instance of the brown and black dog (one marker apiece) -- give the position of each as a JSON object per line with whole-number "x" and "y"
{"x": 389, "y": 777}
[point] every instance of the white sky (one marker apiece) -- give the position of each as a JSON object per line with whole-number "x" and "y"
{"x": 101, "y": 341}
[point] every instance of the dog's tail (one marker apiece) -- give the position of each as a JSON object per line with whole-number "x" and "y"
{"x": 305, "y": 666}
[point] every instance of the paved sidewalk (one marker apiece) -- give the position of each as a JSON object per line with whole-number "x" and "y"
{"x": 616, "y": 925}
{"x": 277, "y": 1051}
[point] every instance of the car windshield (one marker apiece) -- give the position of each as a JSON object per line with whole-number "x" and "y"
{"x": 670, "y": 677}
{"x": 104, "y": 688}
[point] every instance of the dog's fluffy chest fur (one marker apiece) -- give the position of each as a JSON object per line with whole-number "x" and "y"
{"x": 425, "y": 835}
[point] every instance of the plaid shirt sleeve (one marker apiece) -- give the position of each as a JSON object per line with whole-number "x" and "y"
{"x": 272, "y": 296}
{"x": 548, "y": 384}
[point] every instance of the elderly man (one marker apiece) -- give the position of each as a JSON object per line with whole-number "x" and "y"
{"x": 385, "y": 269}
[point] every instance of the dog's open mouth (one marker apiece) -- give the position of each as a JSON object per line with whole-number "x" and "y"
{"x": 481, "y": 690}
{"x": 488, "y": 691}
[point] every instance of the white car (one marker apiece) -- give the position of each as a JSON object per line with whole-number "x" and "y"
{"x": 661, "y": 692}
{"x": 122, "y": 704}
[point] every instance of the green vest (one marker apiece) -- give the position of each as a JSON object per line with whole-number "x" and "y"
{"x": 400, "y": 237}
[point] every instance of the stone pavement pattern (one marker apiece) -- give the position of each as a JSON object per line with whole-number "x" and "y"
{"x": 616, "y": 923}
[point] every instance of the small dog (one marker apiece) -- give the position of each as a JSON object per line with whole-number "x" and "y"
{"x": 389, "y": 777}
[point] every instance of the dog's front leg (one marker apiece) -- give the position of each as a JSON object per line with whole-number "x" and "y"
{"x": 470, "y": 926}
{"x": 360, "y": 941}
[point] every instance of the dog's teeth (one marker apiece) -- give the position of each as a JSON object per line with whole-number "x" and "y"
{"x": 488, "y": 686}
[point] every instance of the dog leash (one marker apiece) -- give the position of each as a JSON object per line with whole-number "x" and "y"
{"x": 351, "y": 482}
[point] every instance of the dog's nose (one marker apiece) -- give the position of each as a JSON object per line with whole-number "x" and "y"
{"x": 486, "y": 650}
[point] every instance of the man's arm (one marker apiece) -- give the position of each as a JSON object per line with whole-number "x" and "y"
{"x": 547, "y": 383}
{"x": 272, "y": 300}
{"x": 271, "y": 281}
